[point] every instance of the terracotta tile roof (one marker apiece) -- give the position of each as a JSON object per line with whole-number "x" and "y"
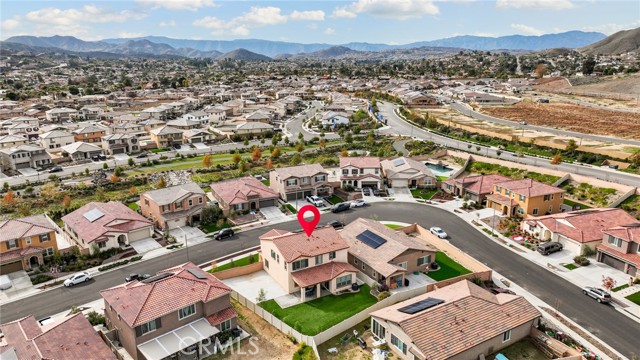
{"x": 295, "y": 245}
{"x": 500, "y": 199}
{"x": 321, "y": 273}
{"x": 300, "y": 171}
{"x": 239, "y": 190}
{"x": 116, "y": 217}
{"x": 360, "y": 162}
{"x": 528, "y": 187}
{"x": 584, "y": 225}
{"x": 481, "y": 184}
{"x": 71, "y": 339}
{"x": 27, "y": 226}
{"x": 380, "y": 258}
{"x": 137, "y": 302}
{"x": 628, "y": 232}
{"x": 468, "y": 317}
{"x": 222, "y": 315}
{"x": 17, "y": 253}
{"x": 628, "y": 257}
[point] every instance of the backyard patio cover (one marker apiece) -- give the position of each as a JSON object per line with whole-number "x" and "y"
{"x": 178, "y": 339}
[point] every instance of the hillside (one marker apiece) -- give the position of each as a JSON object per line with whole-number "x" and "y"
{"x": 618, "y": 43}
{"x": 243, "y": 54}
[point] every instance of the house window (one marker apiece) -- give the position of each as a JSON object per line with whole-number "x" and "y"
{"x": 507, "y": 192}
{"x": 374, "y": 274}
{"x": 361, "y": 171}
{"x": 186, "y": 311}
{"x": 178, "y": 205}
{"x": 320, "y": 178}
{"x": 305, "y": 180}
{"x": 332, "y": 255}
{"x": 44, "y": 237}
{"x": 102, "y": 244}
{"x": 266, "y": 263}
{"x": 425, "y": 260}
{"x": 362, "y": 266}
{"x": 278, "y": 258}
{"x": 146, "y": 328}
{"x": 300, "y": 264}
{"x": 273, "y": 254}
{"x": 355, "y": 261}
{"x": 547, "y": 197}
{"x": 190, "y": 202}
{"x": 376, "y": 171}
{"x": 354, "y": 172}
{"x": 345, "y": 172}
{"x": 615, "y": 241}
{"x": 343, "y": 281}
{"x": 398, "y": 344}
{"x": 292, "y": 182}
{"x": 28, "y": 241}
{"x": 48, "y": 251}
{"x": 520, "y": 211}
{"x": 200, "y": 200}
{"x": 551, "y": 196}
{"x": 225, "y": 325}
{"x": 550, "y": 208}
{"x": 378, "y": 330}
{"x": 318, "y": 259}
{"x": 427, "y": 181}
{"x": 506, "y": 336}
{"x": 535, "y": 211}
{"x": 403, "y": 265}
{"x": 522, "y": 197}
{"x": 498, "y": 189}
{"x": 285, "y": 265}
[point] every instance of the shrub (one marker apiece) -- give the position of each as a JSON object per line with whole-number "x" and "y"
{"x": 581, "y": 260}
{"x": 304, "y": 352}
{"x": 96, "y": 318}
{"x": 40, "y": 278}
{"x": 587, "y": 251}
{"x": 383, "y": 295}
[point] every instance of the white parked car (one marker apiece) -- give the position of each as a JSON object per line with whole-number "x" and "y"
{"x": 315, "y": 200}
{"x": 438, "y": 232}
{"x": 77, "y": 278}
{"x": 358, "y": 203}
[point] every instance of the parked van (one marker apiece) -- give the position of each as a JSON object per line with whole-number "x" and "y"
{"x": 549, "y": 248}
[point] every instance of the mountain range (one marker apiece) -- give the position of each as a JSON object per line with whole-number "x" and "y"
{"x": 164, "y": 46}
{"x": 618, "y": 43}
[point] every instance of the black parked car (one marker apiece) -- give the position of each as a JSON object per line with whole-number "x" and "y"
{"x": 224, "y": 233}
{"x": 98, "y": 158}
{"x": 336, "y": 224}
{"x": 142, "y": 155}
{"x": 344, "y": 206}
{"x": 136, "y": 276}
{"x": 177, "y": 146}
{"x": 55, "y": 169}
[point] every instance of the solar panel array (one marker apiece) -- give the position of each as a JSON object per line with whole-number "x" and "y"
{"x": 420, "y": 305}
{"x": 398, "y": 162}
{"x": 93, "y": 215}
{"x": 197, "y": 274}
{"x": 371, "y": 239}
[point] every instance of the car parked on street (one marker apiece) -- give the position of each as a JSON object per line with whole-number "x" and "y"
{"x": 438, "y": 232}
{"x": 315, "y": 200}
{"x": 142, "y": 155}
{"x": 336, "y": 224}
{"x": 358, "y": 203}
{"x": 77, "y": 278}
{"x": 55, "y": 169}
{"x": 549, "y": 248}
{"x": 339, "y": 207}
{"x": 224, "y": 233}
{"x": 600, "y": 295}
{"x": 136, "y": 276}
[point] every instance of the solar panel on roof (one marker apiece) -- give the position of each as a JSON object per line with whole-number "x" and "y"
{"x": 93, "y": 215}
{"x": 398, "y": 162}
{"x": 372, "y": 239}
{"x": 420, "y": 305}
{"x": 197, "y": 274}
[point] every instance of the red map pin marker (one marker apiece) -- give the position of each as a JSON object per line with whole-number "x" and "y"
{"x": 309, "y": 226}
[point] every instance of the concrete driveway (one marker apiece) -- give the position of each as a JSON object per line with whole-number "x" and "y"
{"x": 20, "y": 286}
{"x": 273, "y": 213}
{"x": 121, "y": 157}
{"x": 400, "y": 194}
{"x": 30, "y": 172}
{"x": 249, "y": 285}
{"x": 145, "y": 245}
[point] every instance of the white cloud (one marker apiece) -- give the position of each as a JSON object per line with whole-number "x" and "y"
{"x": 329, "y": 31}
{"x": 190, "y": 5}
{"x": 394, "y": 9}
{"x": 609, "y": 29}
{"x": 527, "y": 30}
{"x": 255, "y": 17}
{"x": 535, "y": 4}
{"x": 126, "y": 35}
{"x": 314, "y": 15}
{"x": 171, "y": 23}
{"x": 10, "y": 24}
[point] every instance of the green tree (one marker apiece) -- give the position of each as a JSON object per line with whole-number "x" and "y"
{"x": 299, "y": 146}
{"x": 211, "y": 215}
{"x": 131, "y": 162}
{"x": 105, "y": 166}
{"x": 276, "y": 152}
{"x": 348, "y": 138}
{"x": 572, "y": 146}
{"x": 296, "y": 159}
{"x": 100, "y": 194}
{"x": 236, "y": 157}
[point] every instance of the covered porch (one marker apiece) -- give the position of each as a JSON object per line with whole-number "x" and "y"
{"x": 325, "y": 279}
{"x": 182, "y": 343}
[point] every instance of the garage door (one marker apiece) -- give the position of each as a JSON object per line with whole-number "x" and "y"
{"x": 10, "y": 267}
{"x": 265, "y": 203}
{"x": 569, "y": 245}
{"x": 119, "y": 151}
{"x": 613, "y": 262}
{"x": 173, "y": 224}
{"x": 398, "y": 183}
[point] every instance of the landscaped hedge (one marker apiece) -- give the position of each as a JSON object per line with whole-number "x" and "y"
{"x": 119, "y": 263}
{"x": 40, "y": 278}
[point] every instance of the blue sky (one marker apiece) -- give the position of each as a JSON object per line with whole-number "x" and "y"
{"x": 335, "y": 22}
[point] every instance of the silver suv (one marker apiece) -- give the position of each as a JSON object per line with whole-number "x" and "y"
{"x": 600, "y": 295}
{"x": 315, "y": 200}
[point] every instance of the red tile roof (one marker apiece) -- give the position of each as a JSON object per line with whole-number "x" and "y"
{"x": 528, "y": 187}
{"x": 628, "y": 232}
{"x": 237, "y": 191}
{"x": 630, "y": 258}
{"x": 137, "y": 302}
{"x": 321, "y": 273}
{"x": 71, "y": 339}
{"x": 117, "y": 218}
{"x": 360, "y": 162}
{"x": 222, "y": 315}
{"x": 16, "y": 254}
{"x": 500, "y": 199}
{"x": 295, "y": 245}
{"x": 481, "y": 184}
{"x": 584, "y": 225}
{"x": 27, "y": 226}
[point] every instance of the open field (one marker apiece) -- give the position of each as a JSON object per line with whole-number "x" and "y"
{"x": 625, "y": 85}
{"x": 571, "y": 117}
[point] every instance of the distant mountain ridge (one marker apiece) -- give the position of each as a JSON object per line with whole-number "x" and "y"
{"x": 160, "y": 45}
{"x": 243, "y": 54}
{"x": 618, "y": 43}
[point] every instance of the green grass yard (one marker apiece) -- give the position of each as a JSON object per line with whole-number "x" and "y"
{"x": 572, "y": 203}
{"x": 334, "y": 199}
{"x": 425, "y": 194}
{"x": 448, "y": 268}
{"x": 634, "y": 298}
{"x": 394, "y": 226}
{"x": 621, "y": 287}
{"x": 317, "y": 315}
{"x": 570, "y": 266}
{"x": 211, "y": 228}
{"x": 133, "y": 206}
{"x": 237, "y": 263}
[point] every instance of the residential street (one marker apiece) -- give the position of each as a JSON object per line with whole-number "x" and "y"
{"x": 400, "y": 127}
{"x": 603, "y": 321}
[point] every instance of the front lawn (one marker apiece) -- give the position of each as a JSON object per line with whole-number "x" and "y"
{"x": 211, "y": 228}
{"x": 291, "y": 208}
{"x": 448, "y": 268}
{"x": 573, "y": 203}
{"x": 394, "y": 226}
{"x": 621, "y": 287}
{"x": 266, "y": 182}
{"x": 133, "y": 206}
{"x": 442, "y": 178}
{"x": 634, "y": 298}
{"x": 570, "y": 266}
{"x": 335, "y": 199}
{"x": 317, "y": 315}
{"x": 247, "y": 260}
{"x": 425, "y": 194}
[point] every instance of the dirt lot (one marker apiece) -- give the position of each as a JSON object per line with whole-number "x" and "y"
{"x": 572, "y": 117}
